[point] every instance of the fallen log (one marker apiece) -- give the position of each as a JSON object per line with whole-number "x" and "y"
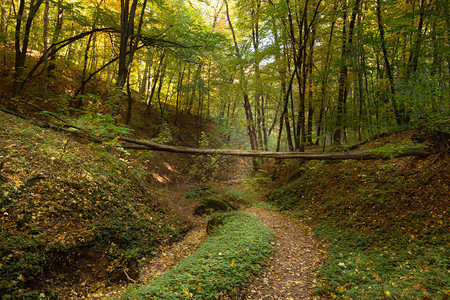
{"x": 358, "y": 155}
{"x": 147, "y": 145}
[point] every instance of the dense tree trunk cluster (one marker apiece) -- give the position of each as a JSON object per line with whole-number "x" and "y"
{"x": 291, "y": 72}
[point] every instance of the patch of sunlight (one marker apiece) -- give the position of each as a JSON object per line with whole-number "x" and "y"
{"x": 161, "y": 179}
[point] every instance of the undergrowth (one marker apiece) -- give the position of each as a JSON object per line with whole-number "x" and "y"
{"x": 237, "y": 247}
{"x": 382, "y": 265}
{"x": 210, "y": 201}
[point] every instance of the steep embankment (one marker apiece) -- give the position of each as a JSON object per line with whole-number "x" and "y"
{"x": 386, "y": 222}
{"x": 71, "y": 214}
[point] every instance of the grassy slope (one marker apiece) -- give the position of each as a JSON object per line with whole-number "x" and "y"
{"x": 386, "y": 223}
{"x": 70, "y": 213}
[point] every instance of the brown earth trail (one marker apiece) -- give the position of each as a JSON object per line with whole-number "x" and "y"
{"x": 289, "y": 274}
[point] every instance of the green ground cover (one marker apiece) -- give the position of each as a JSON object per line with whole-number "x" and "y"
{"x": 237, "y": 247}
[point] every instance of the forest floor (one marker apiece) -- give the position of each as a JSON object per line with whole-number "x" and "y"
{"x": 289, "y": 274}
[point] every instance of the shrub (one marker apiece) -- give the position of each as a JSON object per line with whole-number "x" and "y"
{"x": 209, "y": 200}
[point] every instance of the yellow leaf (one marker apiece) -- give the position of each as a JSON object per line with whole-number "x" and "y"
{"x": 233, "y": 264}
{"x": 187, "y": 293}
{"x": 387, "y": 293}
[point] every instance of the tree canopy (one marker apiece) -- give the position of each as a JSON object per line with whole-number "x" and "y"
{"x": 290, "y": 73}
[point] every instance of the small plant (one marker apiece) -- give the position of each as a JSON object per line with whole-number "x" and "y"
{"x": 164, "y": 135}
{"x": 266, "y": 206}
{"x": 257, "y": 181}
{"x": 101, "y": 125}
{"x": 209, "y": 200}
{"x": 392, "y": 267}
{"x": 199, "y": 192}
{"x": 288, "y": 195}
{"x": 238, "y": 195}
{"x": 63, "y": 199}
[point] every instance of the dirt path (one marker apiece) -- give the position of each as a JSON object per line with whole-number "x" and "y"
{"x": 289, "y": 273}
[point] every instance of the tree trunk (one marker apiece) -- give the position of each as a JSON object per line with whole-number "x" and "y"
{"x": 21, "y": 46}
{"x": 343, "y": 74}
{"x": 413, "y": 61}
{"x": 129, "y": 103}
{"x": 263, "y": 125}
{"x": 285, "y": 118}
{"x": 143, "y": 87}
{"x": 342, "y": 89}
{"x": 247, "y": 105}
{"x": 250, "y": 127}
{"x": 310, "y": 89}
{"x": 398, "y": 115}
{"x": 179, "y": 86}
{"x": 324, "y": 83}
{"x": 161, "y": 81}
{"x": 46, "y": 77}
{"x": 56, "y": 33}
{"x": 155, "y": 80}
{"x": 127, "y": 15}
{"x": 360, "y": 66}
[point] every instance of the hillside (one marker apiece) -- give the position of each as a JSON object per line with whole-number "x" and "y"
{"x": 74, "y": 214}
{"x": 386, "y": 222}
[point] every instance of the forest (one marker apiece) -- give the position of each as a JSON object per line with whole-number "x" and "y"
{"x": 288, "y": 73}
{"x": 125, "y": 126}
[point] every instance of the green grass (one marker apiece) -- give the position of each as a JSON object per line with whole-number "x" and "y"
{"x": 287, "y": 196}
{"x": 266, "y": 205}
{"x": 237, "y": 247}
{"x": 239, "y": 196}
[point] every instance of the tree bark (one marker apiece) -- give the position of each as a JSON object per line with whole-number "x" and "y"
{"x": 46, "y": 77}
{"x": 155, "y": 80}
{"x": 343, "y": 75}
{"x": 324, "y": 83}
{"x": 56, "y": 33}
{"x": 247, "y": 106}
{"x": 179, "y": 86}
